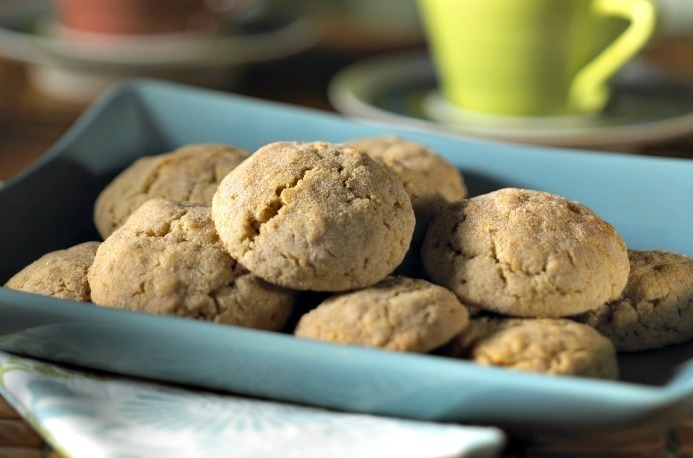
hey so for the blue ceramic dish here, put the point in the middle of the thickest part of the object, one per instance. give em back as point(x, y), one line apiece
point(648, 200)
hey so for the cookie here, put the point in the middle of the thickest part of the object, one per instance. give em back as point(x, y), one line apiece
point(555, 346)
point(314, 216)
point(656, 307)
point(421, 170)
point(61, 273)
point(428, 178)
point(167, 259)
point(399, 313)
point(526, 253)
point(191, 173)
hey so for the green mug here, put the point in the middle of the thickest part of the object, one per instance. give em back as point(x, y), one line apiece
point(532, 57)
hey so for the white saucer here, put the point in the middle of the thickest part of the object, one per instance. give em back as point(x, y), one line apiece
point(647, 106)
point(68, 69)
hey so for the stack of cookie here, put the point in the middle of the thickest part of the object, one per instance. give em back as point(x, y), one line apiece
point(327, 217)
point(381, 228)
point(538, 269)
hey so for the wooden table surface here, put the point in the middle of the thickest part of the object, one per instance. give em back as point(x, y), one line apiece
point(30, 123)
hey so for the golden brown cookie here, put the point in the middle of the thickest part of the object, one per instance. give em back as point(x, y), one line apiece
point(167, 259)
point(421, 170)
point(61, 273)
point(428, 178)
point(656, 307)
point(314, 216)
point(526, 253)
point(553, 346)
point(398, 313)
point(191, 173)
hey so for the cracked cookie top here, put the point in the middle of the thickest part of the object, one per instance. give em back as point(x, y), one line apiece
point(552, 346)
point(314, 216)
point(167, 259)
point(61, 273)
point(191, 173)
point(398, 313)
point(526, 253)
point(656, 307)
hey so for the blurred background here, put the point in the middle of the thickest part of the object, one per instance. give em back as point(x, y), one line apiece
point(359, 57)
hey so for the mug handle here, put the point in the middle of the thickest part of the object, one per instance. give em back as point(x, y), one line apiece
point(589, 91)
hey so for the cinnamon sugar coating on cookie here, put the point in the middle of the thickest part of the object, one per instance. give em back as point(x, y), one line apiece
point(428, 178)
point(61, 273)
point(398, 313)
point(425, 174)
point(526, 253)
point(190, 173)
point(551, 346)
point(656, 307)
point(167, 259)
point(314, 216)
